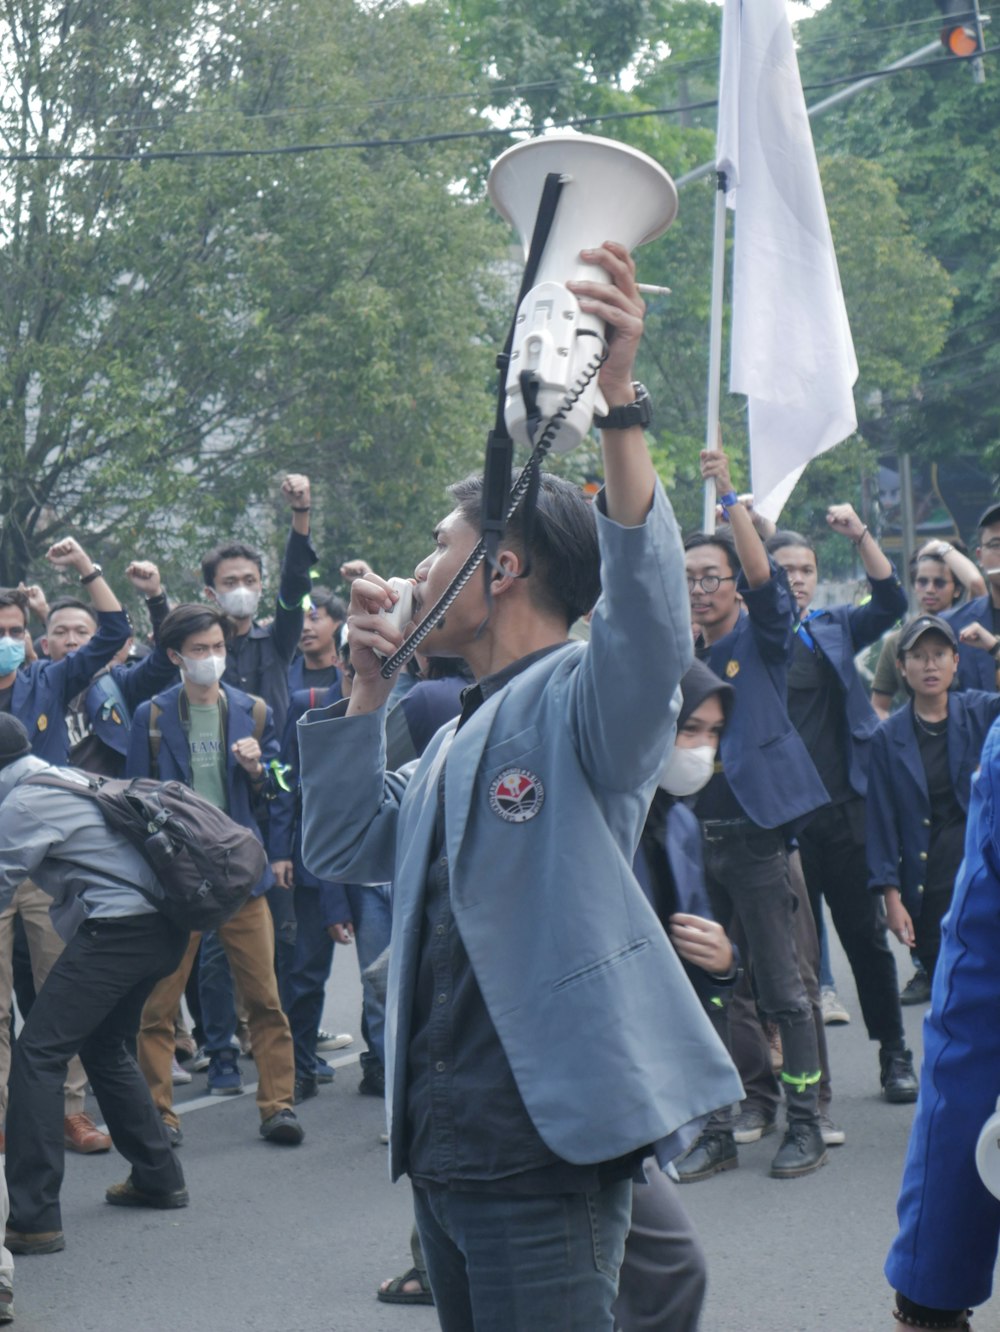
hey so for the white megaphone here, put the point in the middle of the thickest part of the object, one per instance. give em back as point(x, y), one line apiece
point(988, 1153)
point(610, 192)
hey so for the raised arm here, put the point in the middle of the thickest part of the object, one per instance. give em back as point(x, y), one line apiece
point(960, 565)
point(747, 539)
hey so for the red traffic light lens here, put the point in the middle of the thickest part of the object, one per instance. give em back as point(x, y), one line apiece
point(960, 40)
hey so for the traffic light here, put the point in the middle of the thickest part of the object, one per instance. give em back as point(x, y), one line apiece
point(962, 33)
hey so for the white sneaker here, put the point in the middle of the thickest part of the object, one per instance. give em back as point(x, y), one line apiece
point(834, 1012)
point(179, 1075)
point(833, 1134)
point(328, 1040)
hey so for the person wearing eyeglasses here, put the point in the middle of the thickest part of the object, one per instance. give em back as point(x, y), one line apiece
point(764, 782)
point(829, 706)
point(942, 575)
point(977, 669)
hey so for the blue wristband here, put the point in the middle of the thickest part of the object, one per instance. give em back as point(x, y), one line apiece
point(729, 499)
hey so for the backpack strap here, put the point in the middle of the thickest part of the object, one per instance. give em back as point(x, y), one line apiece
point(259, 717)
point(155, 740)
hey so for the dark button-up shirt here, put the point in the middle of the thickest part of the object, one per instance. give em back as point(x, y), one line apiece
point(467, 1127)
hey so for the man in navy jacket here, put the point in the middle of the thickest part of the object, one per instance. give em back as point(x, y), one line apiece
point(210, 737)
point(829, 706)
point(765, 782)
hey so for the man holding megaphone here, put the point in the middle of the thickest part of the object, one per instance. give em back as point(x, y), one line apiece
point(541, 1034)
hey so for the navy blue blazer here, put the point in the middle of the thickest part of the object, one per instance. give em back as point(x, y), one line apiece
point(297, 681)
point(899, 807)
point(840, 633)
point(762, 754)
point(111, 721)
point(174, 764)
point(44, 689)
point(976, 668)
point(683, 846)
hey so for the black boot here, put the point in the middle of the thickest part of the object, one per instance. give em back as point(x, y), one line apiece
point(801, 1152)
point(713, 1152)
point(305, 1090)
point(898, 1077)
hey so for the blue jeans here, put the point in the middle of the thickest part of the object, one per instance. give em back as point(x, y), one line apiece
point(502, 1263)
point(304, 985)
point(371, 908)
point(215, 989)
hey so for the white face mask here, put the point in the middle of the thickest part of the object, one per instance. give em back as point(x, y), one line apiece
point(204, 670)
point(687, 770)
point(240, 602)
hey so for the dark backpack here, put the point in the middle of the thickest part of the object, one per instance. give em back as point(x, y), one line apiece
point(206, 864)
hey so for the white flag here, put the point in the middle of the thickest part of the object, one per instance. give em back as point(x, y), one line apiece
point(792, 353)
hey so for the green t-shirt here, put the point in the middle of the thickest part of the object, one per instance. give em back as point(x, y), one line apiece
point(208, 753)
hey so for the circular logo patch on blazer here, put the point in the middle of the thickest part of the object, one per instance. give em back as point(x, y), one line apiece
point(516, 795)
point(732, 669)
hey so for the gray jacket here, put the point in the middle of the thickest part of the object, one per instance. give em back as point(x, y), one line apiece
point(62, 843)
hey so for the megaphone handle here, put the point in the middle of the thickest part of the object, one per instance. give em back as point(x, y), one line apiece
point(544, 218)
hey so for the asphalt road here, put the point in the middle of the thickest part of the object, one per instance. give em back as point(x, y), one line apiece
point(297, 1239)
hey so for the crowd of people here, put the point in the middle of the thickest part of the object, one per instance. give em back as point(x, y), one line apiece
point(658, 755)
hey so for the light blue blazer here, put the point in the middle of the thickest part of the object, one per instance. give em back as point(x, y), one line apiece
point(607, 1041)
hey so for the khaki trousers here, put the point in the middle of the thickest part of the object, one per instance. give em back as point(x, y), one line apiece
point(44, 946)
point(248, 939)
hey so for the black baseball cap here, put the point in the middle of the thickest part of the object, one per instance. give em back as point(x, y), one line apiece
point(14, 742)
point(990, 515)
point(924, 624)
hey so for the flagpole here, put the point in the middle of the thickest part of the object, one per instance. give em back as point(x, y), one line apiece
point(715, 345)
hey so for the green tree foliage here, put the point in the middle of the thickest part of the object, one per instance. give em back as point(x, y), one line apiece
point(175, 333)
point(933, 131)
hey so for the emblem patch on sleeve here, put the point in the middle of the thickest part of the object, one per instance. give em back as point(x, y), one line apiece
point(516, 795)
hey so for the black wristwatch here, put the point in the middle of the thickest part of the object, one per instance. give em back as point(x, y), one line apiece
point(94, 574)
point(637, 413)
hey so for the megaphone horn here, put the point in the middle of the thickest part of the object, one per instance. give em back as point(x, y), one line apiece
point(609, 192)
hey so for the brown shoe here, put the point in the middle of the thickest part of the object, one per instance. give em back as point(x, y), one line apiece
point(43, 1241)
point(81, 1134)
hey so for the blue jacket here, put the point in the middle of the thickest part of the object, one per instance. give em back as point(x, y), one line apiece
point(44, 690)
point(297, 681)
point(945, 1253)
point(574, 967)
point(840, 633)
point(175, 760)
point(976, 668)
point(899, 808)
point(110, 709)
point(285, 826)
point(762, 754)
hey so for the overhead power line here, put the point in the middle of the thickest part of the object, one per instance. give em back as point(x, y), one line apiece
point(450, 136)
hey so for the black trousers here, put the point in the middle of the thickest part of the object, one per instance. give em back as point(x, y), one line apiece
point(90, 1004)
point(833, 858)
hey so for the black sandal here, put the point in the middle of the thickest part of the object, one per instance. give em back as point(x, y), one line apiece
point(395, 1294)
